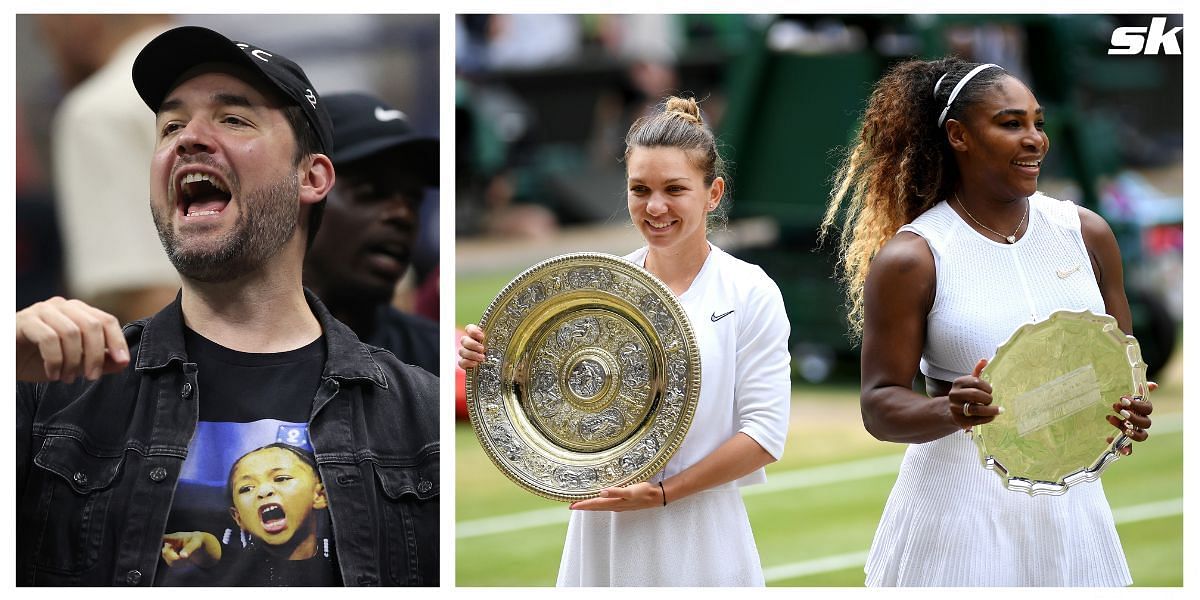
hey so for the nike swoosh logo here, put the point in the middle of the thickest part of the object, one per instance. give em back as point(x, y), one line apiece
point(1065, 273)
point(386, 115)
point(715, 317)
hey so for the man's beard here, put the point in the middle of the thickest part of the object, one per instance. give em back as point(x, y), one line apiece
point(266, 220)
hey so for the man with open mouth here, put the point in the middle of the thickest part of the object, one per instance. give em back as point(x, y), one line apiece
point(125, 437)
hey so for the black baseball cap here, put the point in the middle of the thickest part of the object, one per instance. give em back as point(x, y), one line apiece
point(364, 125)
point(159, 65)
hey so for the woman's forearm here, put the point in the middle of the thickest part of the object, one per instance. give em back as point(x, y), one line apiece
point(898, 414)
point(737, 457)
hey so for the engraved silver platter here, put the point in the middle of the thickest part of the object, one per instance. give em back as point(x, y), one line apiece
point(590, 379)
point(1057, 380)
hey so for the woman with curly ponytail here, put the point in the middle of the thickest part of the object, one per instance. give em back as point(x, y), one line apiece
point(687, 525)
point(946, 247)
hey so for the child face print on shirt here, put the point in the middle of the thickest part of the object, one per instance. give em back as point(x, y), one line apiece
point(274, 494)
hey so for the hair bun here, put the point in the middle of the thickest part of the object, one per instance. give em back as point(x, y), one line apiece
point(687, 108)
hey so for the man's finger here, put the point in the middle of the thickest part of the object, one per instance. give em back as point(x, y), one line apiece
point(116, 350)
point(48, 345)
point(69, 340)
point(91, 338)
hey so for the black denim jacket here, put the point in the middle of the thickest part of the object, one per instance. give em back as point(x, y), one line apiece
point(97, 462)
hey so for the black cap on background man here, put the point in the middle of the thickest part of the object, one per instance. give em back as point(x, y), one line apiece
point(364, 125)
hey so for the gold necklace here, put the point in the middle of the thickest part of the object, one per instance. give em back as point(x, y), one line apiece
point(1012, 239)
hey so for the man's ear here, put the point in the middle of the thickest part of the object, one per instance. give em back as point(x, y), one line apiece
point(316, 178)
point(957, 135)
point(237, 518)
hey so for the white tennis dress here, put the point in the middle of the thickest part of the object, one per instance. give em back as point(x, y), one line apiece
point(742, 331)
point(949, 521)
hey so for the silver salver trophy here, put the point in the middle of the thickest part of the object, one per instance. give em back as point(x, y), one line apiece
point(1057, 380)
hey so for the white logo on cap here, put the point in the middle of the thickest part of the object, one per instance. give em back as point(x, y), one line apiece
point(386, 115)
point(258, 53)
point(312, 97)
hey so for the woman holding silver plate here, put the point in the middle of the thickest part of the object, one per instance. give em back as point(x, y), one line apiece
point(946, 248)
point(688, 525)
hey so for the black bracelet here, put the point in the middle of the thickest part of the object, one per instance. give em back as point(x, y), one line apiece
point(664, 492)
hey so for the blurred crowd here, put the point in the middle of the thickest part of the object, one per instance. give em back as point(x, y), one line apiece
point(542, 99)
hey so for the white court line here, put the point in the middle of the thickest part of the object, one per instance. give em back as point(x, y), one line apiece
point(1148, 511)
point(511, 522)
point(835, 473)
point(827, 564)
point(839, 562)
point(787, 480)
point(783, 481)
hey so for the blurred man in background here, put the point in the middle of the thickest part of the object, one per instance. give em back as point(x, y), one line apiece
point(369, 228)
point(102, 143)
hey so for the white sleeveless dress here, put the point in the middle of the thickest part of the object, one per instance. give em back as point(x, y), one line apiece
point(738, 316)
point(948, 521)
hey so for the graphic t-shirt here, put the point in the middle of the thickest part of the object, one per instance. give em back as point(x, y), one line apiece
point(249, 485)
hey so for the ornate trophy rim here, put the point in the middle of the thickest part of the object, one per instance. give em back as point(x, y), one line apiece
point(689, 401)
point(1087, 473)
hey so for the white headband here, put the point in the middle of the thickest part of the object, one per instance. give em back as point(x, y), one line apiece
point(957, 88)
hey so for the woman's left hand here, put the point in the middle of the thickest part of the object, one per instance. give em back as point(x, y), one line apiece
point(1133, 417)
point(619, 499)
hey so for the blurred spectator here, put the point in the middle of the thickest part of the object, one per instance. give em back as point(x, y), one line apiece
point(524, 41)
point(492, 142)
point(366, 238)
point(470, 42)
point(998, 43)
point(39, 252)
point(644, 82)
point(424, 300)
point(428, 297)
point(647, 47)
point(102, 143)
point(641, 37)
